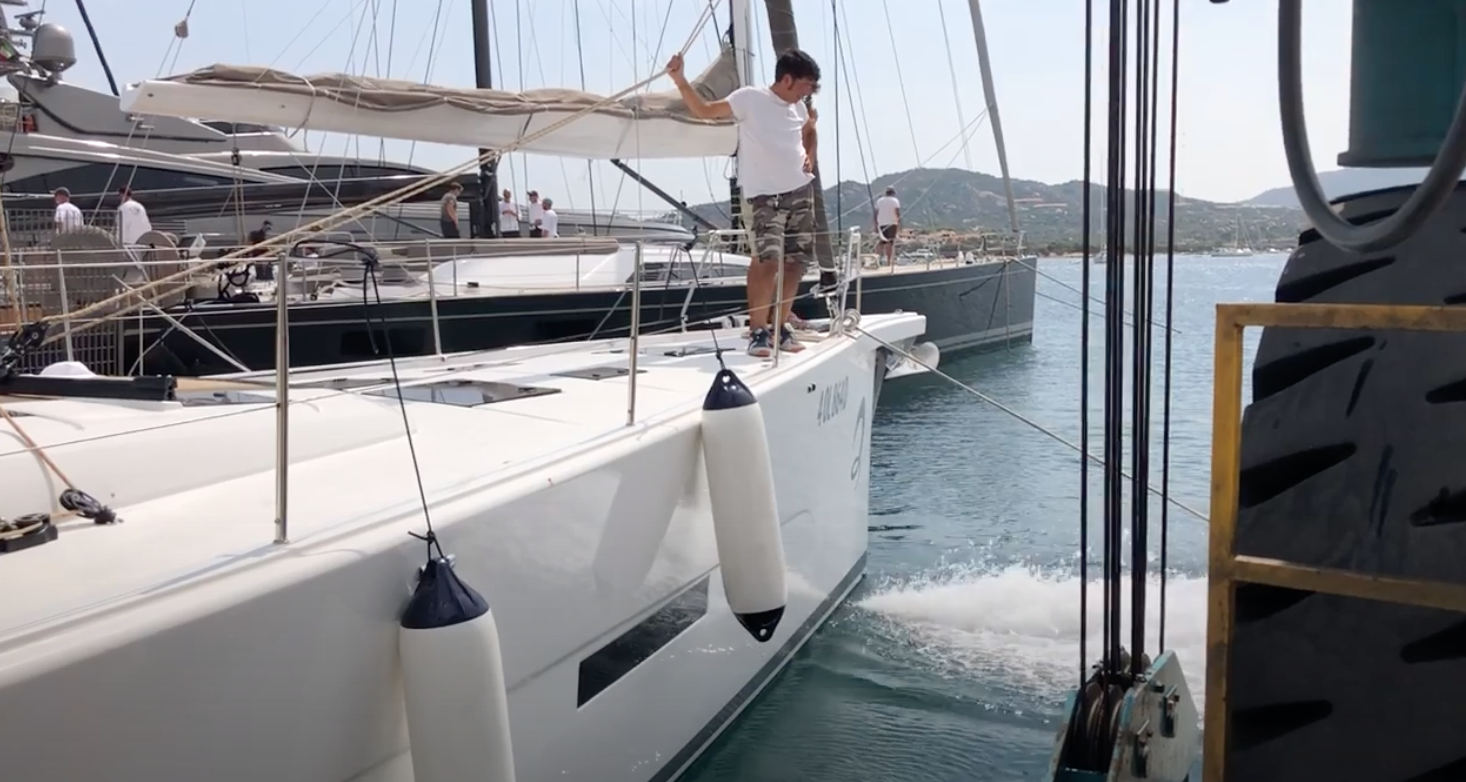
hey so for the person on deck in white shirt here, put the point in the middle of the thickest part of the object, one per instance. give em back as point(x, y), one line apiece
point(508, 217)
point(549, 221)
point(777, 152)
point(68, 216)
point(536, 214)
point(888, 223)
point(132, 218)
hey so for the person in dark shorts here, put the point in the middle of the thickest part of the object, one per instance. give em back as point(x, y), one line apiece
point(888, 223)
point(448, 214)
point(777, 150)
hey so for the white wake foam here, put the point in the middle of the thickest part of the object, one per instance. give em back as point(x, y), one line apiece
point(1021, 627)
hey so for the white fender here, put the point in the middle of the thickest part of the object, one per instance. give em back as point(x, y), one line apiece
point(745, 511)
point(453, 682)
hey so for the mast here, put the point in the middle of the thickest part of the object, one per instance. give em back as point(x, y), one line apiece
point(785, 36)
point(991, 97)
point(740, 35)
point(483, 210)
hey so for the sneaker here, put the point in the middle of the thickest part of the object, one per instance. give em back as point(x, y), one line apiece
point(760, 343)
point(788, 342)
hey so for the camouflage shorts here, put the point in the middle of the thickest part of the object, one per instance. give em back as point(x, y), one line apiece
point(783, 226)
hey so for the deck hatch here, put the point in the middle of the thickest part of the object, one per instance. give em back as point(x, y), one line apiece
point(464, 393)
point(597, 373)
point(202, 398)
point(621, 656)
point(342, 383)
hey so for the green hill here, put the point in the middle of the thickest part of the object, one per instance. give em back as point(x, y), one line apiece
point(970, 204)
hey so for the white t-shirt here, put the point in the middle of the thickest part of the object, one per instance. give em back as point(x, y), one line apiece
point(770, 142)
point(68, 217)
point(550, 223)
point(132, 221)
point(536, 212)
point(508, 220)
point(886, 208)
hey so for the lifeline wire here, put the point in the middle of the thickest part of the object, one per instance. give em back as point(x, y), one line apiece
point(1040, 428)
point(346, 215)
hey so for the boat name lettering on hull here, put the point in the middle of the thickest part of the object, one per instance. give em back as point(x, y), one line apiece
point(833, 400)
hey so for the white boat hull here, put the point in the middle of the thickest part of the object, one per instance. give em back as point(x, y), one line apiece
point(621, 656)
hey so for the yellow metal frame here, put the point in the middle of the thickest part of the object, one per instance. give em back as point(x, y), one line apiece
point(1226, 568)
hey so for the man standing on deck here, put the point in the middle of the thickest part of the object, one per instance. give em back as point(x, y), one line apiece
point(536, 215)
point(549, 221)
point(888, 223)
point(68, 216)
point(448, 212)
point(132, 218)
point(508, 217)
point(777, 149)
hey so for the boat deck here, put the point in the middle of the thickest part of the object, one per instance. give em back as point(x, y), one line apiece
point(195, 485)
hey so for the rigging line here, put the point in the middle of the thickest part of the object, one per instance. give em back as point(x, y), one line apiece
point(590, 169)
point(244, 27)
point(1032, 424)
point(900, 79)
point(391, 45)
point(1055, 280)
point(336, 219)
point(308, 26)
point(539, 61)
point(956, 92)
point(431, 538)
point(910, 208)
point(864, 115)
point(666, 20)
point(519, 72)
point(843, 67)
point(1087, 196)
point(434, 44)
point(498, 54)
point(1170, 304)
point(839, 180)
point(670, 325)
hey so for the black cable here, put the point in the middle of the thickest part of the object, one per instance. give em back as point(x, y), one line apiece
point(370, 262)
point(1084, 350)
point(1140, 343)
point(1114, 336)
point(1170, 303)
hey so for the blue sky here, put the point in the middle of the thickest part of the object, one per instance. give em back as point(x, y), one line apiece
point(1229, 142)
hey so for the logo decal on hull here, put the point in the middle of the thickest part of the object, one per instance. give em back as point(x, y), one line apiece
point(833, 400)
point(859, 442)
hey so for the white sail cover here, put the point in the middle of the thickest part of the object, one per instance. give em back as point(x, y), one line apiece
point(644, 125)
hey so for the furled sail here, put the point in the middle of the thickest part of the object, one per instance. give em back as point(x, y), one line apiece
point(644, 125)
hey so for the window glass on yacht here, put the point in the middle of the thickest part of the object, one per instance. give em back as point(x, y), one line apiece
point(347, 171)
point(106, 177)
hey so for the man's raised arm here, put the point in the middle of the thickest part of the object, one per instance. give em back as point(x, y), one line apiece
point(702, 109)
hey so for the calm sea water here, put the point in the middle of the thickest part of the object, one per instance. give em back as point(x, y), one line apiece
point(952, 660)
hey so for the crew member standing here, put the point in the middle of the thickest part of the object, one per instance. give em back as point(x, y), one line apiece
point(132, 218)
point(448, 214)
point(777, 150)
point(888, 223)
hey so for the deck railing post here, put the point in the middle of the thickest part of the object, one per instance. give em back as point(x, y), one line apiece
point(282, 405)
point(634, 345)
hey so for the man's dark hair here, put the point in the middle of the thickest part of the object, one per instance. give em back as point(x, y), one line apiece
point(796, 64)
